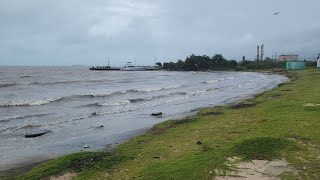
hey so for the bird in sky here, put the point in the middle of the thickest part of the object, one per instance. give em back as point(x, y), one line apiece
point(276, 13)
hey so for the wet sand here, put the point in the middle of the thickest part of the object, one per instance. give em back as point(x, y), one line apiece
point(18, 166)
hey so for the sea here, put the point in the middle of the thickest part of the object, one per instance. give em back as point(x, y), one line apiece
point(100, 109)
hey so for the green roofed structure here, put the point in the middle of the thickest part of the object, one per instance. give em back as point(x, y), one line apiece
point(295, 65)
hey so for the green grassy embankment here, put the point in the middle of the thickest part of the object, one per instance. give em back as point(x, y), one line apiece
point(274, 125)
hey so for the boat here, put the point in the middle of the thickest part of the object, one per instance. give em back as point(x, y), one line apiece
point(152, 68)
point(130, 67)
point(104, 68)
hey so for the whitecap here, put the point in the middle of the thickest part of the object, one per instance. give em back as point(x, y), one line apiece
point(34, 102)
point(211, 81)
point(117, 103)
point(148, 90)
point(197, 92)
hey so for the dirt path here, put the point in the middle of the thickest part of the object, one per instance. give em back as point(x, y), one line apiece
point(257, 169)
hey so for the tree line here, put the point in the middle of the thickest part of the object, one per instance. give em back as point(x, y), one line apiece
point(219, 63)
point(201, 63)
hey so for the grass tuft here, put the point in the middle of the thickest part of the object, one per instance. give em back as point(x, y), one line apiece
point(244, 105)
point(264, 148)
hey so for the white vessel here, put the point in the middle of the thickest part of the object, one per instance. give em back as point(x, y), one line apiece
point(130, 67)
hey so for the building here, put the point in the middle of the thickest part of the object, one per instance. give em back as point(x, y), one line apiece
point(295, 65)
point(318, 61)
point(290, 58)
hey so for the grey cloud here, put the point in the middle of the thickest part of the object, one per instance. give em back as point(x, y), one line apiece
point(70, 32)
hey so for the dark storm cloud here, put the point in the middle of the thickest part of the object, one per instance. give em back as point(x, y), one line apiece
point(69, 32)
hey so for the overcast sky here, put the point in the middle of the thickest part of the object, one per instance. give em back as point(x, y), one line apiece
point(87, 32)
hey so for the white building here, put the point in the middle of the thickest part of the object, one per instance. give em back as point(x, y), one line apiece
point(290, 57)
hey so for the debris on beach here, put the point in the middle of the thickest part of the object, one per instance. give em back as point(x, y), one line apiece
point(36, 133)
point(156, 114)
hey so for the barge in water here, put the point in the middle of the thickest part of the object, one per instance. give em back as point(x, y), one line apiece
point(128, 67)
point(104, 68)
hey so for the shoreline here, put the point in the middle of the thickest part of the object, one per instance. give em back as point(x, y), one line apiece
point(25, 167)
point(20, 167)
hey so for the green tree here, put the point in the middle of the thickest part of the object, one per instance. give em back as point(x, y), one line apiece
point(158, 64)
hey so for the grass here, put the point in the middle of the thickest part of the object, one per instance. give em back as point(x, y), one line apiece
point(262, 148)
point(274, 125)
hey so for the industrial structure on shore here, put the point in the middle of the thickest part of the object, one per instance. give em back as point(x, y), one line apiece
point(289, 57)
point(260, 56)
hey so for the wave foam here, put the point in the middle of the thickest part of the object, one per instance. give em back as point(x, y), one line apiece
point(34, 102)
point(197, 92)
point(114, 103)
point(211, 81)
point(148, 90)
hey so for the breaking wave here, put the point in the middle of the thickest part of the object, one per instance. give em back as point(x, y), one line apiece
point(98, 95)
point(34, 102)
point(145, 90)
point(124, 102)
point(218, 80)
point(148, 90)
point(211, 81)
